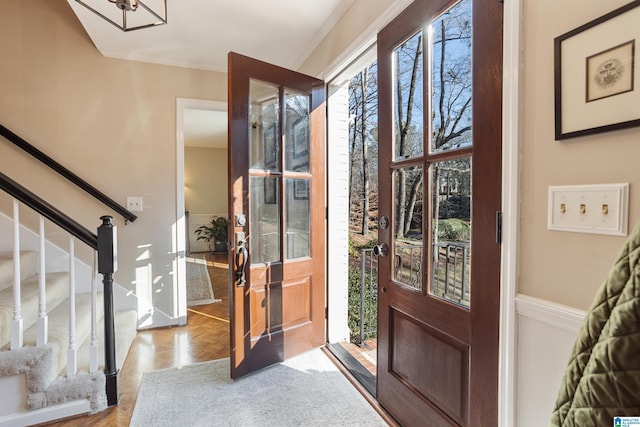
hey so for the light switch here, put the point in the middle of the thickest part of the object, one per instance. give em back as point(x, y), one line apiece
point(134, 204)
point(597, 209)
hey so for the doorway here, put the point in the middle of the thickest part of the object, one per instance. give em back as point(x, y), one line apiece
point(201, 167)
point(353, 217)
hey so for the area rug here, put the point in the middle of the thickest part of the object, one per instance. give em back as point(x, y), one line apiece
point(199, 289)
point(307, 390)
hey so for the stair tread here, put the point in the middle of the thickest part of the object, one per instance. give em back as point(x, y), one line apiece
point(28, 267)
point(126, 330)
point(59, 326)
point(57, 291)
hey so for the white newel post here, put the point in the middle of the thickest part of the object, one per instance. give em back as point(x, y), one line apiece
point(17, 322)
point(43, 319)
point(72, 356)
point(93, 355)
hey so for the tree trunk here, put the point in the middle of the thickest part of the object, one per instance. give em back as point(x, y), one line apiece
point(364, 76)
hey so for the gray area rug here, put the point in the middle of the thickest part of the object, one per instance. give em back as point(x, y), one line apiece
point(199, 289)
point(307, 390)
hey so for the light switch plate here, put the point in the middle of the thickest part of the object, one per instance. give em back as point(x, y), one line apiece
point(134, 204)
point(596, 209)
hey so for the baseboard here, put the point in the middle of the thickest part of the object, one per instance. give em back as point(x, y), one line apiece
point(560, 316)
point(50, 413)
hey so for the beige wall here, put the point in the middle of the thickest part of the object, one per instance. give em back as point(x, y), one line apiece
point(566, 268)
point(205, 180)
point(110, 121)
point(349, 30)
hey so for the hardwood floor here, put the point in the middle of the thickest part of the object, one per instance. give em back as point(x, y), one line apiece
point(205, 337)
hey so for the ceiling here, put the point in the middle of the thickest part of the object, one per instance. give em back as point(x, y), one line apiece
point(200, 33)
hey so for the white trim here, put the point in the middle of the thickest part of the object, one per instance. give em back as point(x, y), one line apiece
point(50, 413)
point(510, 214)
point(557, 315)
point(179, 278)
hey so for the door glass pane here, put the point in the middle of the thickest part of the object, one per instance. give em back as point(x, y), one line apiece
point(264, 223)
point(451, 224)
point(451, 78)
point(298, 217)
point(407, 183)
point(408, 122)
point(263, 126)
point(296, 125)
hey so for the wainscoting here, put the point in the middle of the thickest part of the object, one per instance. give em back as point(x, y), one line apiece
point(546, 332)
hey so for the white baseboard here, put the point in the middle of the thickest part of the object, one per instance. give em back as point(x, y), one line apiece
point(50, 413)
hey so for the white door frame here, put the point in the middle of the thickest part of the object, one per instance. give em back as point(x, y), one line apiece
point(179, 240)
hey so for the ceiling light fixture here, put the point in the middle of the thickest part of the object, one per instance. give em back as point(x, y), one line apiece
point(127, 15)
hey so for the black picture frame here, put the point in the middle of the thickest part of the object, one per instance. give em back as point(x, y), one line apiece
point(270, 147)
point(596, 77)
point(301, 137)
point(301, 189)
point(270, 191)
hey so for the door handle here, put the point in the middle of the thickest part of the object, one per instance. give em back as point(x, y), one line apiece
point(242, 256)
point(381, 249)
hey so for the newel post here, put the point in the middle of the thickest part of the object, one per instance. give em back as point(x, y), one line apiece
point(107, 265)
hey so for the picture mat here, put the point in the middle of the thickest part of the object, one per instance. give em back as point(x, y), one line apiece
point(577, 114)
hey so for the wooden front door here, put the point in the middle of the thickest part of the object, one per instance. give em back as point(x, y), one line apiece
point(277, 210)
point(440, 80)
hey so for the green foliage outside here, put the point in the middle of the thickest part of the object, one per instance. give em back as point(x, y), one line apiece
point(454, 230)
point(370, 289)
point(370, 305)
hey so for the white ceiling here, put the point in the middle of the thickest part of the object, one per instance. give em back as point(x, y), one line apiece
point(200, 33)
point(205, 128)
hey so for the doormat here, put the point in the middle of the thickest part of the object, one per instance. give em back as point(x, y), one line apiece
point(307, 390)
point(199, 289)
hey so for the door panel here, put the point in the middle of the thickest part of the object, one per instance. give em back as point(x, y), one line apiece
point(440, 80)
point(277, 206)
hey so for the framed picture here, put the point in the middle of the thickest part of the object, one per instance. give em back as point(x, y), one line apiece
point(300, 189)
point(597, 77)
point(270, 146)
point(270, 191)
point(301, 137)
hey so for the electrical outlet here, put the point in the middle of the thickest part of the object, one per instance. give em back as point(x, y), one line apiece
point(134, 204)
point(596, 209)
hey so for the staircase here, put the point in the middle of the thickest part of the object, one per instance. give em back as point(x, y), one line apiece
point(49, 379)
point(55, 361)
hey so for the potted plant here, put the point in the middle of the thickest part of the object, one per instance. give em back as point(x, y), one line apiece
point(217, 231)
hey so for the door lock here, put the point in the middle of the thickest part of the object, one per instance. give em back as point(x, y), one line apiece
point(381, 249)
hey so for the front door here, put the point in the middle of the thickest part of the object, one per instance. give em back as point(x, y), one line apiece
point(440, 79)
point(277, 209)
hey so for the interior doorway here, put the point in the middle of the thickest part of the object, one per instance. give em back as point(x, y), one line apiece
point(201, 182)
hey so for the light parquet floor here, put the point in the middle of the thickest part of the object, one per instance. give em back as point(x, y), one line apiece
point(205, 337)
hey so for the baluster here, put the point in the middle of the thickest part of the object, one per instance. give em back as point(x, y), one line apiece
point(363, 267)
point(72, 355)
point(43, 319)
point(17, 322)
point(93, 351)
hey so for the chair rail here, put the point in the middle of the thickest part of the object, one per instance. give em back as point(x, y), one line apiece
point(30, 149)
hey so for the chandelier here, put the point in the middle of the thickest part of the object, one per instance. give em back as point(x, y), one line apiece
point(129, 15)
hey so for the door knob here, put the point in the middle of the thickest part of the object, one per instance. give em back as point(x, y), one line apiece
point(381, 249)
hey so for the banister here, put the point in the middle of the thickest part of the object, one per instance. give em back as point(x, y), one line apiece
point(106, 200)
point(48, 211)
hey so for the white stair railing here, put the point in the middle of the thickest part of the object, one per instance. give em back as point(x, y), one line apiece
point(93, 349)
point(72, 355)
point(17, 336)
point(43, 319)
